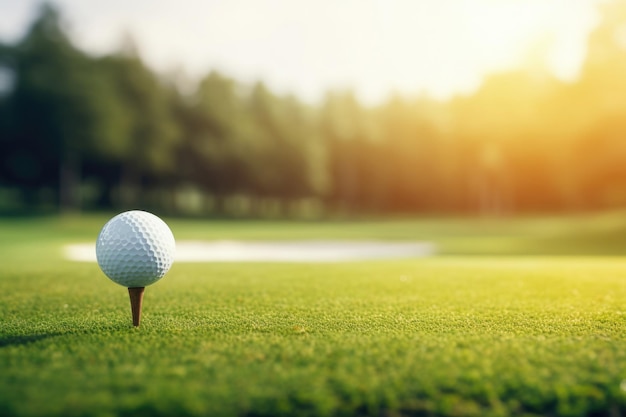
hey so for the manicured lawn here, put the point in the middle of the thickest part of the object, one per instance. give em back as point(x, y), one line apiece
point(488, 334)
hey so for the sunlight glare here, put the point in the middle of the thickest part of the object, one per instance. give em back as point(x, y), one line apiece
point(375, 47)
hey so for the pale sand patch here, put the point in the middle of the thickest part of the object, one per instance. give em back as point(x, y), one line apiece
point(272, 251)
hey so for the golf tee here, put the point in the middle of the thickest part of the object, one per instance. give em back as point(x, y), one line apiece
point(136, 299)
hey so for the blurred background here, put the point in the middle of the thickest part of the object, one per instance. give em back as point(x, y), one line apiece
point(308, 109)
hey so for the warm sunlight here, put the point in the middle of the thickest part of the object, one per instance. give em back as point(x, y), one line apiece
point(374, 47)
point(350, 96)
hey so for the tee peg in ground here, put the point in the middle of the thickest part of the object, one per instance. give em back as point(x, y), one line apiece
point(136, 299)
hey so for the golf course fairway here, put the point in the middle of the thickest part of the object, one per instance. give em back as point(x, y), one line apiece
point(522, 317)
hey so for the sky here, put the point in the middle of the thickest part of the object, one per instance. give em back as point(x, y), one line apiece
point(306, 47)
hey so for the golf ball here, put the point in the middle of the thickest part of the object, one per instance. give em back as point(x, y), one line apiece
point(135, 248)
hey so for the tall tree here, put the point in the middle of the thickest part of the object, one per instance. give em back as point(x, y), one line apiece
point(600, 104)
point(151, 133)
point(214, 152)
point(63, 111)
point(280, 154)
point(342, 123)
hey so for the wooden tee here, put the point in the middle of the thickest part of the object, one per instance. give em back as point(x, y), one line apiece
point(136, 299)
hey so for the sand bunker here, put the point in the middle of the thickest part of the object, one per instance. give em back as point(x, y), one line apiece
point(284, 251)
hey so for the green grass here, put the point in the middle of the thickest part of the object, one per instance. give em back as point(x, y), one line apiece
point(479, 331)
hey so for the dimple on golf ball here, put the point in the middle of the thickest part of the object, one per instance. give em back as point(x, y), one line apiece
point(135, 249)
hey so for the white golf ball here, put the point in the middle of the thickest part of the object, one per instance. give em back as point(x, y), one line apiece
point(135, 249)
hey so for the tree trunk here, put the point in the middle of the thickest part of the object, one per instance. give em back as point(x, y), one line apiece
point(69, 183)
point(129, 187)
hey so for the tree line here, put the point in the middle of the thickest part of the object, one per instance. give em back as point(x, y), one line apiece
point(107, 132)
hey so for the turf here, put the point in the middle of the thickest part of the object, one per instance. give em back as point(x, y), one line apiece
point(453, 335)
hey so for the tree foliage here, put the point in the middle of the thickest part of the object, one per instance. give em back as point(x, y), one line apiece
point(110, 132)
